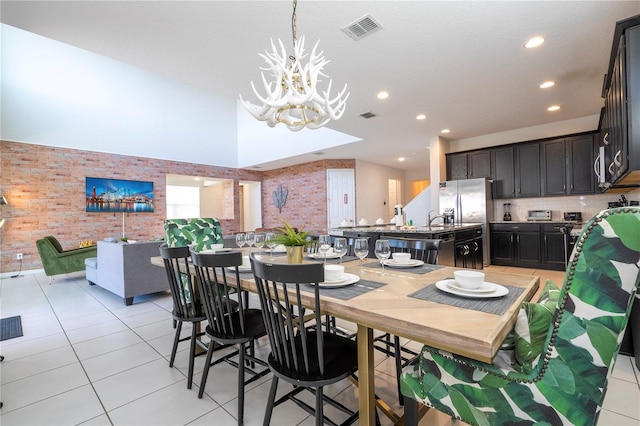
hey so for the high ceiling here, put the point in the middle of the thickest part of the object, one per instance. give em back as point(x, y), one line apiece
point(461, 63)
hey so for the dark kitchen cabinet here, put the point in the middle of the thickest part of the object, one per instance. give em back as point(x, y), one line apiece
point(620, 130)
point(516, 244)
point(527, 170)
point(469, 165)
point(554, 246)
point(566, 165)
point(468, 249)
point(502, 172)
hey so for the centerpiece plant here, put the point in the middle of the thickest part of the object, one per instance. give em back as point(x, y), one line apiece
point(294, 241)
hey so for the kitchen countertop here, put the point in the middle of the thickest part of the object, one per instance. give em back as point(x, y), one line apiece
point(434, 229)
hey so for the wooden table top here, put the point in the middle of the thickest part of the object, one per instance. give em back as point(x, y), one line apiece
point(466, 332)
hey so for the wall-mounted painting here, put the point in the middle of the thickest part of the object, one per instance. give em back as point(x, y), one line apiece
point(115, 195)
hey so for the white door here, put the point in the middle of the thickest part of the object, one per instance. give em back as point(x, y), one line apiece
point(341, 203)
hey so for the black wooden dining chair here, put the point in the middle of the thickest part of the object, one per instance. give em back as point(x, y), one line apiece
point(421, 249)
point(186, 307)
point(228, 325)
point(302, 355)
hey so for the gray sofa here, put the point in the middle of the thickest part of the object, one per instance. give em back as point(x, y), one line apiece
point(125, 269)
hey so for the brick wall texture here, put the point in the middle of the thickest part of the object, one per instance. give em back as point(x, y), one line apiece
point(45, 189)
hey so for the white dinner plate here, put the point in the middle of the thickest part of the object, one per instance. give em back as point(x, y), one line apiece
point(330, 255)
point(484, 288)
point(412, 263)
point(216, 250)
point(347, 279)
point(499, 290)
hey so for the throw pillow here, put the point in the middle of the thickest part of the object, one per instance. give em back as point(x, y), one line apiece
point(532, 326)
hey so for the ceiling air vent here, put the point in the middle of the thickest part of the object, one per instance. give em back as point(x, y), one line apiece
point(367, 114)
point(362, 27)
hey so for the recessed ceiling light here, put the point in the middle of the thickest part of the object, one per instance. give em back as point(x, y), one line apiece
point(420, 117)
point(445, 131)
point(547, 84)
point(534, 42)
point(401, 159)
point(196, 178)
point(383, 95)
point(553, 108)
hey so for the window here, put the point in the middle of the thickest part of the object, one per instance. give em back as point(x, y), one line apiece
point(183, 202)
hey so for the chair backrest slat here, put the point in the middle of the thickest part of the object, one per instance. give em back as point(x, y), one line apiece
point(215, 289)
point(181, 283)
point(424, 249)
point(295, 344)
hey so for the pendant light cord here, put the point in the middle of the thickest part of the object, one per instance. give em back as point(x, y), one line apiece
point(294, 28)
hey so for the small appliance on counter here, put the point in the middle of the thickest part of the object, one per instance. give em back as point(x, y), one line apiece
point(539, 215)
point(507, 212)
point(449, 216)
point(398, 217)
point(573, 217)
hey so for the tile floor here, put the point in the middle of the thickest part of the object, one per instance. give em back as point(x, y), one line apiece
point(85, 358)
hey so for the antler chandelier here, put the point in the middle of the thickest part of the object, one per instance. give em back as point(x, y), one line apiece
point(292, 98)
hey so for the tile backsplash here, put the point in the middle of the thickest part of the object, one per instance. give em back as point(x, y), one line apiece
point(589, 205)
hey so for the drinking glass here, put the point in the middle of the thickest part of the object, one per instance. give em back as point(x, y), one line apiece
point(271, 243)
point(259, 241)
point(361, 250)
point(240, 239)
point(382, 251)
point(324, 242)
point(340, 247)
point(249, 238)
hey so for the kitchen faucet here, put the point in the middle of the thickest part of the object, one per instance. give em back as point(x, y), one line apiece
point(431, 219)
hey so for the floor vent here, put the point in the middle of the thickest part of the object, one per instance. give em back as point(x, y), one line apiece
point(367, 114)
point(362, 27)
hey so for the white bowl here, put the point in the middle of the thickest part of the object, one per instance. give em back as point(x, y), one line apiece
point(217, 246)
point(333, 272)
point(469, 279)
point(401, 257)
point(246, 263)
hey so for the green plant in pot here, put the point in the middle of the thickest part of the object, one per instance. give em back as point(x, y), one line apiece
point(294, 241)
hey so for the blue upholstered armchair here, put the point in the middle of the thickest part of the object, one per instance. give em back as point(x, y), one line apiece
point(564, 347)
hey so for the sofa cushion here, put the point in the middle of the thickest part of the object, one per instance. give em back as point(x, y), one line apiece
point(91, 262)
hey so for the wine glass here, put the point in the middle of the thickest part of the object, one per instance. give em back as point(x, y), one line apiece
point(249, 238)
point(340, 247)
point(361, 250)
point(240, 239)
point(270, 241)
point(324, 242)
point(259, 241)
point(382, 251)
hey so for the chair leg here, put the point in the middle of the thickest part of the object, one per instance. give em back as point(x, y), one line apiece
point(205, 372)
point(50, 279)
point(192, 354)
point(270, 401)
point(410, 412)
point(241, 384)
point(176, 340)
point(319, 410)
point(398, 356)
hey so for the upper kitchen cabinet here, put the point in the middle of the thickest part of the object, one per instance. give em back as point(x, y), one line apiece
point(469, 165)
point(566, 165)
point(527, 170)
point(502, 172)
point(620, 127)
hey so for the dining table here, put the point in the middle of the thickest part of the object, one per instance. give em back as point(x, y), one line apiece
point(417, 304)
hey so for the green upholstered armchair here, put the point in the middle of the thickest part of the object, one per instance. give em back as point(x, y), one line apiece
point(565, 381)
point(203, 233)
point(57, 261)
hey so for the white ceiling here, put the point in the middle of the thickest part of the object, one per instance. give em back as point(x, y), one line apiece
point(461, 63)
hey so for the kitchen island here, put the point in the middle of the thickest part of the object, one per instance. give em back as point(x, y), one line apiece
point(461, 244)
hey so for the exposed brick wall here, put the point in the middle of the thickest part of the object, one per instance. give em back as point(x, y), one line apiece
point(306, 204)
point(45, 189)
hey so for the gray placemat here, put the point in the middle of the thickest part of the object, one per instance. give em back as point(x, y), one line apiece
point(417, 270)
point(496, 306)
point(347, 292)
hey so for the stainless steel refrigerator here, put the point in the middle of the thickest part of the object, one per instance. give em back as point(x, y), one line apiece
point(471, 201)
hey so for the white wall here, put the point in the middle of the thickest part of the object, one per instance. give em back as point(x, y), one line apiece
point(252, 205)
point(211, 201)
point(372, 190)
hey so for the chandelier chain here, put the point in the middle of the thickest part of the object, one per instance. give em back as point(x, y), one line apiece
point(294, 28)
